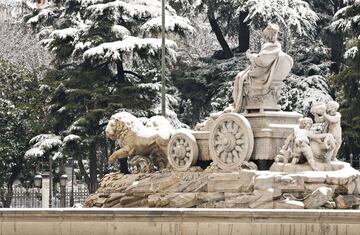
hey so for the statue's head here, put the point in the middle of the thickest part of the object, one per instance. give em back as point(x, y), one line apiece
point(332, 107)
point(270, 32)
point(120, 123)
point(305, 123)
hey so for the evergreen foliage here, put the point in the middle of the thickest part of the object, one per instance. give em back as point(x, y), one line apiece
point(20, 119)
point(107, 58)
point(347, 82)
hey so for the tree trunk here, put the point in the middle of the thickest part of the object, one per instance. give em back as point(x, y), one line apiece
point(15, 171)
point(83, 172)
point(93, 167)
point(219, 35)
point(244, 33)
point(120, 72)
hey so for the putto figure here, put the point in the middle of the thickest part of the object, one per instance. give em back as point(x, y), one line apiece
point(262, 80)
point(297, 145)
point(315, 144)
point(332, 126)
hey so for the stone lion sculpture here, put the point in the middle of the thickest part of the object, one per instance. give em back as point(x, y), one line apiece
point(137, 140)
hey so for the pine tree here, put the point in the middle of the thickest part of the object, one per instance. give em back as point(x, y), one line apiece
point(295, 17)
point(107, 58)
point(347, 82)
point(20, 119)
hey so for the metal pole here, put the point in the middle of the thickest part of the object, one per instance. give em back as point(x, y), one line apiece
point(62, 196)
point(72, 183)
point(163, 104)
point(50, 182)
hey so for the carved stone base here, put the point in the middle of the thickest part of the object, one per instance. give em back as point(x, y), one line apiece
point(270, 131)
point(295, 168)
point(238, 189)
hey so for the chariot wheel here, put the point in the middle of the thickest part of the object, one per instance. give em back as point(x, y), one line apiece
point(182, 151)
point(231, 141)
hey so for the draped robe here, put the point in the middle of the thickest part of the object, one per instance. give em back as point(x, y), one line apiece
point(259, 74)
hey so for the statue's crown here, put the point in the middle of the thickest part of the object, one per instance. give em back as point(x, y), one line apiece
point(273, 28)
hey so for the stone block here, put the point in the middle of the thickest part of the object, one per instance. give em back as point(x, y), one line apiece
point(350, 186)
point(265, 181)
point(330, 205)
point(183, 200)
point(242, 181)
point(311, 187)
point(265, 196)
point(158, 200)
point(210, 197)
point(347, 201)
point(196, 185)
point(265, 205)
point(113, 199)
point(357, 185)
point(289, 183)
point(318, 198)
point(337, 179)
point(243, 200)
point(315, 177)
point(126, 200)
point(288, 204)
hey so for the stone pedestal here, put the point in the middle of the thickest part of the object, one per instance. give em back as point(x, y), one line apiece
point(270, 131)
point(236, 189)
point(45, 191)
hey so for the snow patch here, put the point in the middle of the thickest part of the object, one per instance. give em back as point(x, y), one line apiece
point(115, 50)
point(138, 127)
point(172, 24)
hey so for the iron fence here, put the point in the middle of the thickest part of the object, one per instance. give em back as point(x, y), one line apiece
point(32, 198)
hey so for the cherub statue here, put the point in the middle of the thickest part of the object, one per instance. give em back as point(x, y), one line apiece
point(304, 142)
point(298, 144)
point(332, 120)
point(269, 64)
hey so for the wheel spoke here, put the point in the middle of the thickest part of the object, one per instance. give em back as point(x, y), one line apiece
point(239, 135)
point(238, 148)
point(235, 129)
point(239, 142)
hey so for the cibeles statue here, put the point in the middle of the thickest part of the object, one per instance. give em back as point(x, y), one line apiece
point(258, 86)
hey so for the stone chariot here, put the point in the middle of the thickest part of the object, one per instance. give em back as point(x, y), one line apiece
point(229, 141)
point(253, 128)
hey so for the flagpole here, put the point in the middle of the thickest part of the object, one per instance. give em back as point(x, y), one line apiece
point(163, 100)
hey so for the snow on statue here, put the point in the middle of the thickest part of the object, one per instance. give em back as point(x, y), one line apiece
point(268, 66)
point(139, 141)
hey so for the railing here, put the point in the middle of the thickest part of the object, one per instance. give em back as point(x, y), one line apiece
point(31, 198)
point(354, 161)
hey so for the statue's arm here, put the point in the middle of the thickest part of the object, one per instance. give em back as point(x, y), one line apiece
point(333, 119)
point(318, 137)
point(288, 141)
point(251, 56)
